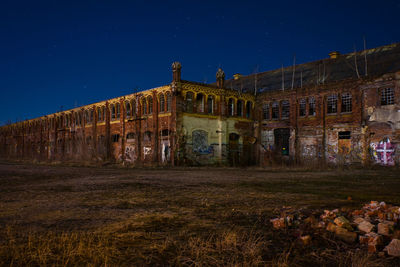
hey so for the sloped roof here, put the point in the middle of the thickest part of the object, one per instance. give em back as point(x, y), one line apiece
point(380, 60)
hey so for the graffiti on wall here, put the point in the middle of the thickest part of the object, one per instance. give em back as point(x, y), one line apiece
point(165, 151)
point(200, 142)
point(383, 152)
point(130, 154)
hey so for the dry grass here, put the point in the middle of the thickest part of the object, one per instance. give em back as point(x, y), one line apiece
point(80, 216)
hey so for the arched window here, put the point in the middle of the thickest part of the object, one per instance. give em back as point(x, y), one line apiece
point(239, 107)
point(189, 102)
point(150, 102)
point(87, 117)
point(112, 108)
point(248, 109)
point(133, 104)
point(118, 110)
point(130, 136)
point(162, 103)
point(99, 117)
point(200, 103)
point(144, 106)
point(169, 101)
point(231, 107)
point(128, 109)
point(210, 104)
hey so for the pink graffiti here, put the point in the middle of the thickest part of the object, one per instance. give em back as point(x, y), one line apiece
point(385, 151)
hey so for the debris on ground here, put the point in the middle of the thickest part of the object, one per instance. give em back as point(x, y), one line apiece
point(375, 227)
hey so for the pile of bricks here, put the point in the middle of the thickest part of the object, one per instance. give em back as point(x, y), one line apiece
point(375, 226)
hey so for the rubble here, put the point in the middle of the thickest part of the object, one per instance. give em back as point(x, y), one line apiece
point(375, 227)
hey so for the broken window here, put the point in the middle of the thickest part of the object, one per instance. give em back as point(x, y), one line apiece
point(128, 109)
point(387, 96)
point(231, 107)
point(275, 110)
point(200, 103)
point(162, 103)
point(332, 104)
point(346, 102)
point(200, 141)
point(169, 101)
point(344, 135)
point(115, 138)
point(210, 104)
point(302, 107)
point(189, 102)
point(311, 106)
point(285, 109)
point(266, 111)
point(248, 109)
point(150, 103)
point(239, 107)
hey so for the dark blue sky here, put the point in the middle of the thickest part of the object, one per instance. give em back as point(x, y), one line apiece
point(71, 53)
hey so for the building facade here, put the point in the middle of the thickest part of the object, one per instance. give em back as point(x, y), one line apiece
point(341, 110)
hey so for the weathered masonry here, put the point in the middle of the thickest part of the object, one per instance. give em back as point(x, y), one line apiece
point(341, 110)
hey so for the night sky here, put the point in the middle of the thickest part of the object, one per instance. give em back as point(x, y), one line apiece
point(61, 54)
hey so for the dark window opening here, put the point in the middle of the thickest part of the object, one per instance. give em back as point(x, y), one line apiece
point(130, 136)
point(210, 104)
point(266, 111)
point(387, 96)
point(150, 107)
point(231, 107)
point(115, 138)
point(248, 109)
point(147, 136)
point(302, 107)
point(285, 109)
point(189, 102)
point(128, 109)
point(239, 107)
point(311, 106)
point(344, 135)
point(275, 110)
point(200, 103)
point(169, 102)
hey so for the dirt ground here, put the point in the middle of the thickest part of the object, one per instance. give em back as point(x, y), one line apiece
point(71, 215)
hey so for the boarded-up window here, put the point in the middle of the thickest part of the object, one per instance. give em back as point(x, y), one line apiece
point(200, 141)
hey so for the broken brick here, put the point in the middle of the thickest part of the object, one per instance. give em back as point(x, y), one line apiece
point(393, 249)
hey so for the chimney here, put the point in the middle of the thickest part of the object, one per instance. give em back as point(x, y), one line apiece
point(176, 71)
point(237, 76)
point(220, 78)
point(334, 54)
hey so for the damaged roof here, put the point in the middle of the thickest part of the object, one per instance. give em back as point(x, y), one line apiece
point(380, 60)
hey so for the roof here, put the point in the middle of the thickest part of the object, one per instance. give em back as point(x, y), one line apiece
point(380, 60)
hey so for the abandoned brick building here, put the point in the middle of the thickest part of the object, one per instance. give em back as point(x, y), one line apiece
point(344, 109)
